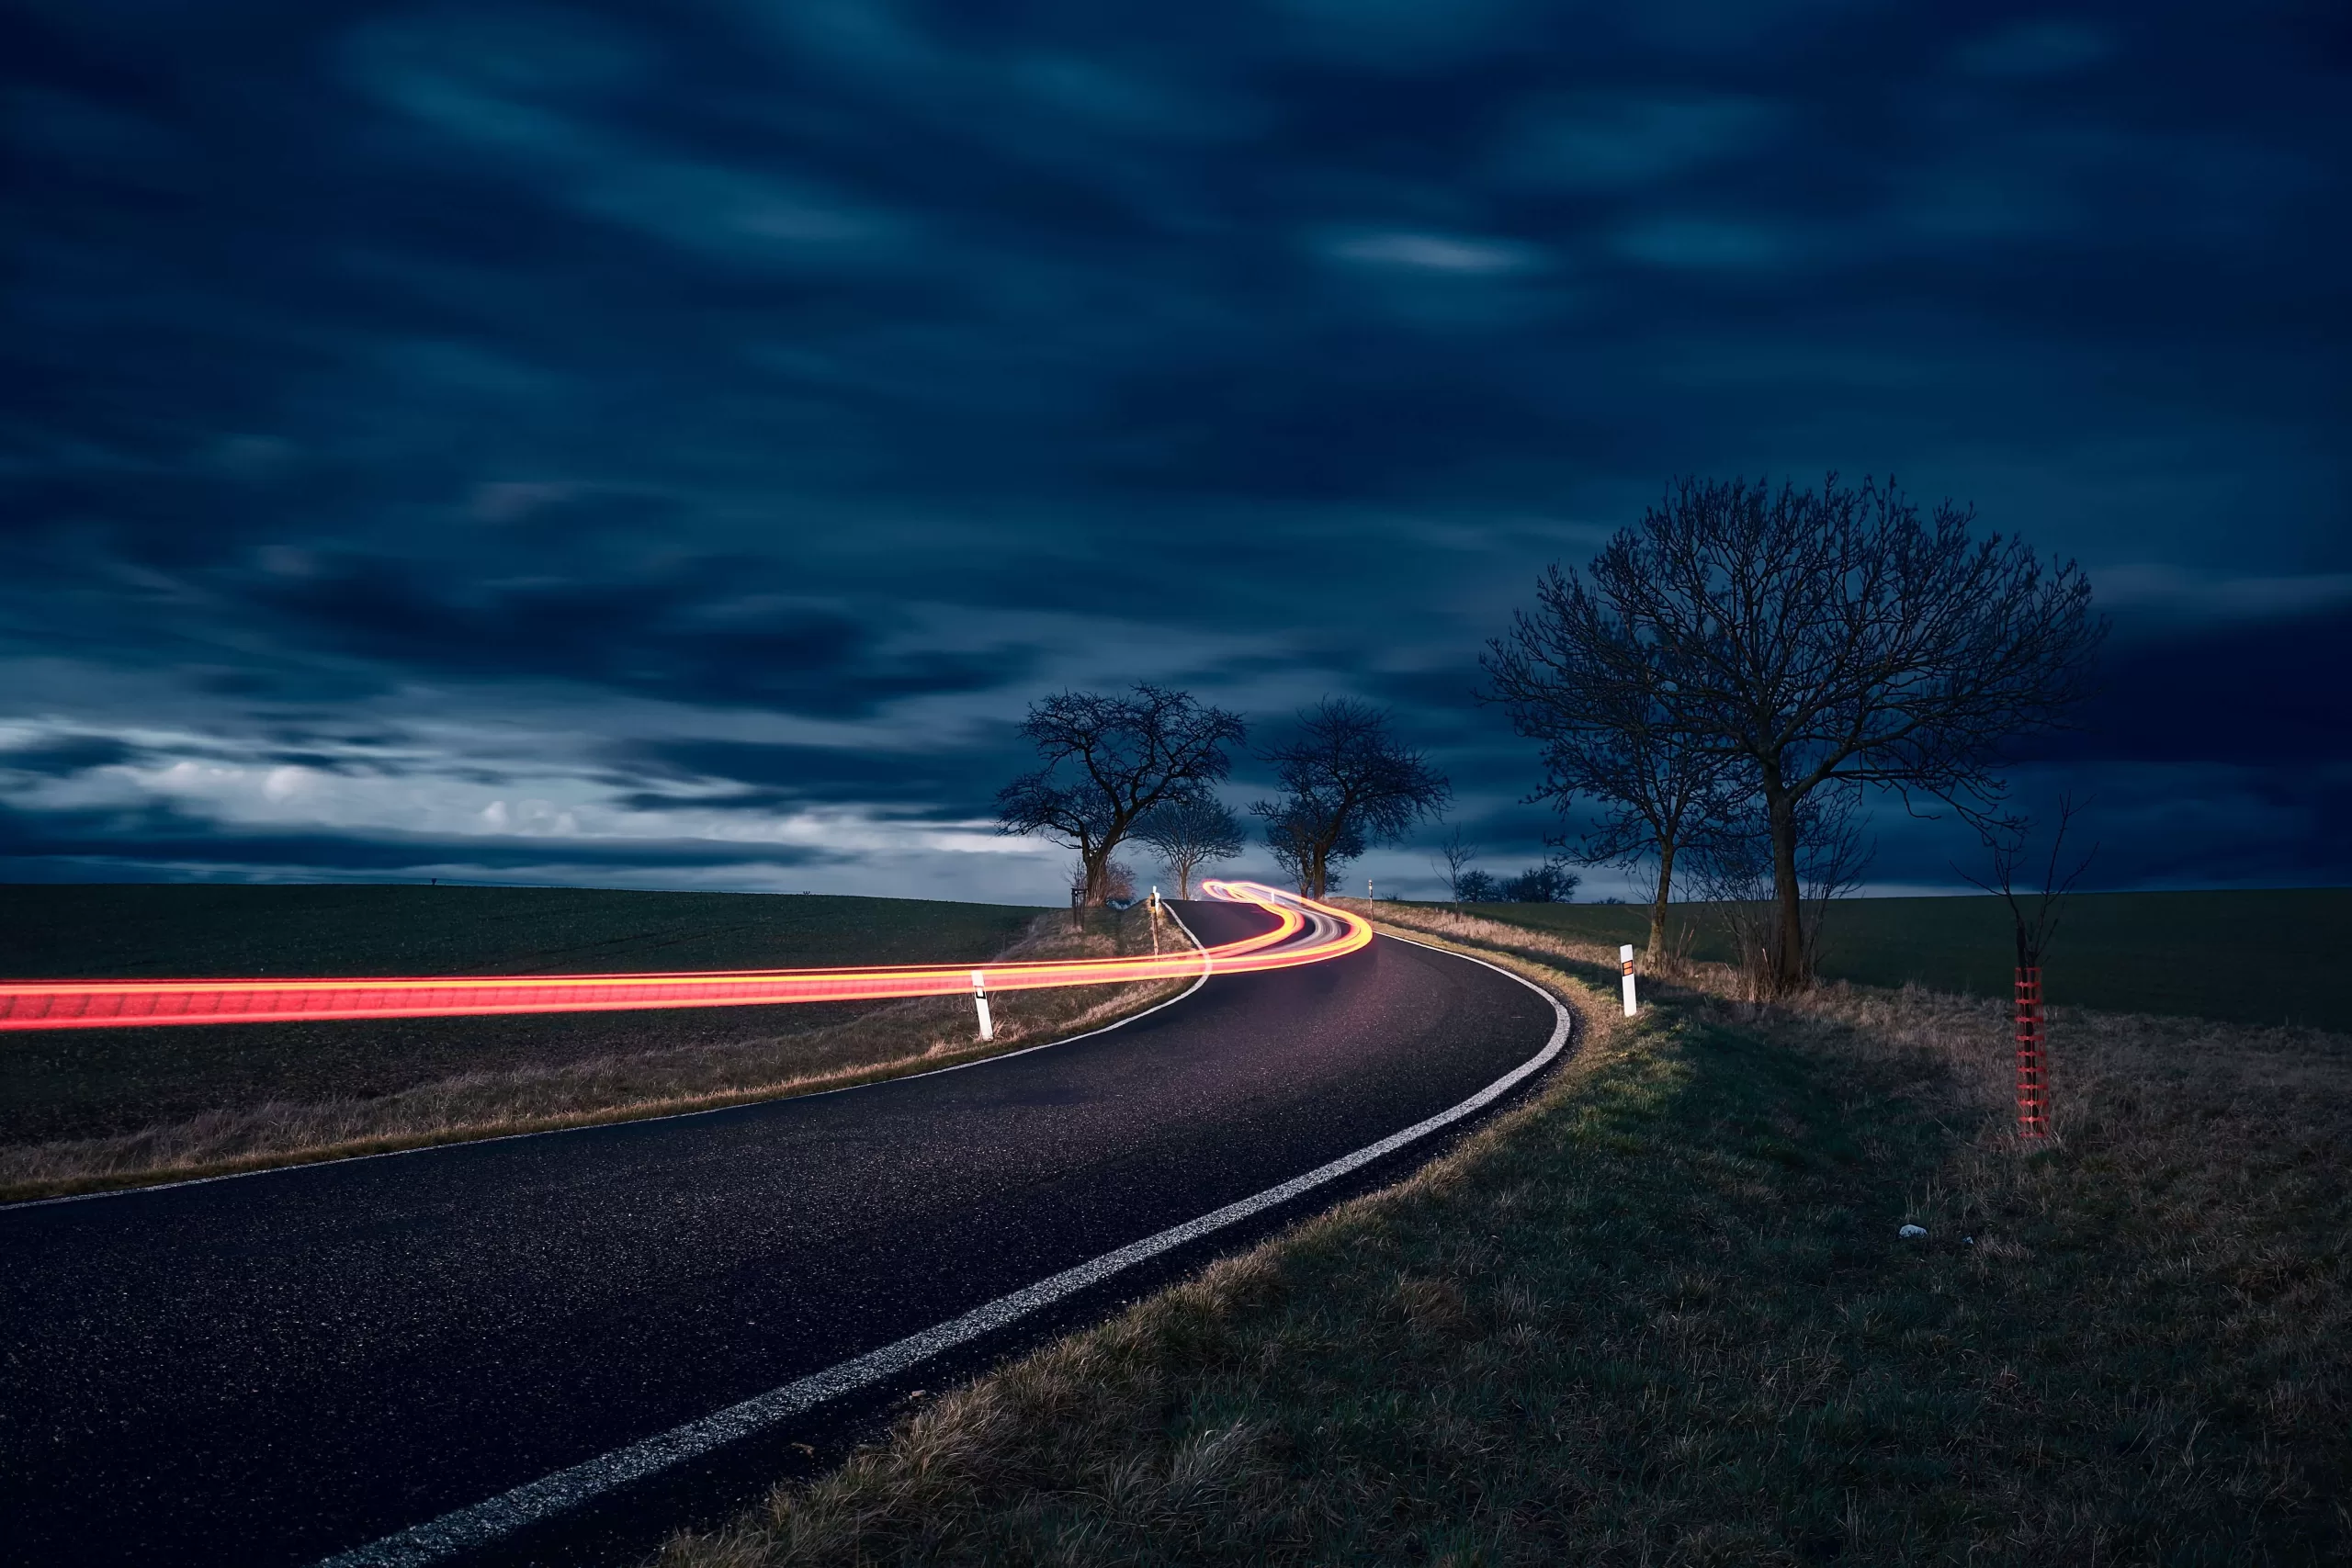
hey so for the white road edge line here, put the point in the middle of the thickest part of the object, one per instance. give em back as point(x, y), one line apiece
point(628, 1121)
point(487, 1522)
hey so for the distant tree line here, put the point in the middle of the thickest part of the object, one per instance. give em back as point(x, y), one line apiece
point(1548, 882)
point(1711, 698)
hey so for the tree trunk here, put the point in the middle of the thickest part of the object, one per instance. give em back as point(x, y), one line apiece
point(1098, 871)
point(1786, 959)
point(1657, 905)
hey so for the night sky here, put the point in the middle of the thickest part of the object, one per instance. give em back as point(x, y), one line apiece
point(668, 444)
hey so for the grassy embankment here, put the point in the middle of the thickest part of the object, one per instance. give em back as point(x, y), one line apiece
point(1659, 1314)
point(86, 1109)
point(2249, 957)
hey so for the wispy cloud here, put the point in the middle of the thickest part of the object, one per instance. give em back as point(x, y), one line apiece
point(2046, 48)
point(1442, 253)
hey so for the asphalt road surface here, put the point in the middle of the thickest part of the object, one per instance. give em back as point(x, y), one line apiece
point(278, 1368)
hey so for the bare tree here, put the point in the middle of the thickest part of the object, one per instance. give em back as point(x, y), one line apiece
point(1348, 783)
point(1457, 853)
point(2034, 931)
point(1578, 676)
point(1109, 760)
point(1732, 864)
point(2033, 913)
point(1835, 637)
point(1296, 835)
point(1186, 833)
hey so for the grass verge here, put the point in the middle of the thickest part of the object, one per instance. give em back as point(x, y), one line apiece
point(2271, 955)
point(1660, 1314)
point(664, 1065)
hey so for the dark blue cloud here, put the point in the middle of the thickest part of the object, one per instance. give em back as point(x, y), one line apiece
point(688, 633)
point(952, 781)
point(66, 755)
point(755, 404)
point(34, 845)
point(2265, 692)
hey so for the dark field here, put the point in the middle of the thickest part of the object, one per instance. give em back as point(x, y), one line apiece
point(85, 1083)
point(2268, 956)
point(118, 930)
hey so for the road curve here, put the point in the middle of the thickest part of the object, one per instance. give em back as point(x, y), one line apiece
point(280, 1368)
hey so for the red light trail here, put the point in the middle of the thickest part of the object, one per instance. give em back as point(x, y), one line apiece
point(1305, 932)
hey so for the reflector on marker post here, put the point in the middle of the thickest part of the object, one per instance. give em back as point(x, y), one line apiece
point(1625, 957)
point(980, 1001)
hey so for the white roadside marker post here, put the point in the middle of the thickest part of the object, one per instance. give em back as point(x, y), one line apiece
point(1154, 922)
point(1625, 957)
point(980, 1001)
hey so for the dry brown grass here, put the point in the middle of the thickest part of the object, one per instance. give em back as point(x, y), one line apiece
point(1424, 919)
point(2116, 1077)
point(885, 1041)
point(1660, 1315)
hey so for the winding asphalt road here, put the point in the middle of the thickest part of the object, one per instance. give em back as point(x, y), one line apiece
point(280, 1368)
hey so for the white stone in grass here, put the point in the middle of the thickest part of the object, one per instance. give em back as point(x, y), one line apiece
point(1912, 1233)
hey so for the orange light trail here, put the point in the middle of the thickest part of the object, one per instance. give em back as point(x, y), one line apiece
point(1305, 932)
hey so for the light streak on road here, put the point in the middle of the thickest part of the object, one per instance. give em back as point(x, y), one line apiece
point(1305, 932)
